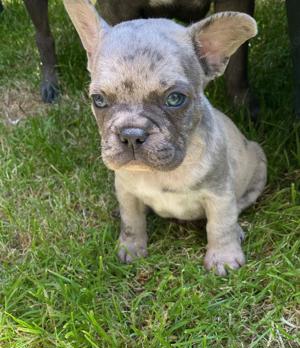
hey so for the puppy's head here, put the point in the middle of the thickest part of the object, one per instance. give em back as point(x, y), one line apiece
point(147, 80)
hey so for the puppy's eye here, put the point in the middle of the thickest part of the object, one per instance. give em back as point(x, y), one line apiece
point(99, 100)
point(175, 99)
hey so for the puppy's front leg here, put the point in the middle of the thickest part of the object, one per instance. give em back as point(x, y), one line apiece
point(133, 236)
point(224, 234)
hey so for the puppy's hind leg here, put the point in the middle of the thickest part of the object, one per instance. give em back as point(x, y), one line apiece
point(258, 180)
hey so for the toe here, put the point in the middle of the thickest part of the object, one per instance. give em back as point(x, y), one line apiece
point(220, 270)
point(122, 255)
point(128, 258)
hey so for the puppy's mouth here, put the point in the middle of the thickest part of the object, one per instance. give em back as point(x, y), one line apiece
point(141, 149)
point(148, 157)
point(138, 162)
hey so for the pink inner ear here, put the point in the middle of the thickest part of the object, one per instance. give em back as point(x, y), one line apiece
point(211, 51)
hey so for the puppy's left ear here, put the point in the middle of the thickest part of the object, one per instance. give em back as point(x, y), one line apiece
point(217, 37)
point(90, 27)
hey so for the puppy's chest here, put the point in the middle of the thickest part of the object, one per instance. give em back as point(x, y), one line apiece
point(173, 202)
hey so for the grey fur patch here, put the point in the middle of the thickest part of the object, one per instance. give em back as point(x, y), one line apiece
point(126, 230)
point(129, 57)
point(128, 85)
point(163, 83)
point(217, 175)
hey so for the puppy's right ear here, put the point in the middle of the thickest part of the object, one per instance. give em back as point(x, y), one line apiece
point(217, 37)
point(90, 27)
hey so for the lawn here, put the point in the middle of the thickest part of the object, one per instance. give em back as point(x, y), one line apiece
point(61, 284)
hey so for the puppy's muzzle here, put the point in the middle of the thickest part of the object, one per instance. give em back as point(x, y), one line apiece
point(133, 137)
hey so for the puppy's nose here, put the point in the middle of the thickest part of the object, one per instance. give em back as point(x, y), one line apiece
point(133, 136)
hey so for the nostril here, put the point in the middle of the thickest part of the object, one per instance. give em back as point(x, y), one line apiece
point(140, 140)
point(133, 136)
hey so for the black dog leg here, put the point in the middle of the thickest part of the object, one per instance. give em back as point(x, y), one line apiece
point(236, 74)
point(293, 14)
point(38, 11)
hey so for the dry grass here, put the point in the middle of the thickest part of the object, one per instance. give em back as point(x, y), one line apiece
point(20, 100)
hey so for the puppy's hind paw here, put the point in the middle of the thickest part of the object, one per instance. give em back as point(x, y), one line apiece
point(218, 259)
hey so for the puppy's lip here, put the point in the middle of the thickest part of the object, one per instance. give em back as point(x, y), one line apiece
point(135, 165)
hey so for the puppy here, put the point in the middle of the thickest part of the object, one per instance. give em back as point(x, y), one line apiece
point(170, 149)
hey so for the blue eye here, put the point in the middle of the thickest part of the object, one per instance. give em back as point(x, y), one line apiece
point(99, 100)
point(175, 99)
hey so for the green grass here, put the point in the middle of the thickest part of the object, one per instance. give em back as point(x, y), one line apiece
point(61, 284)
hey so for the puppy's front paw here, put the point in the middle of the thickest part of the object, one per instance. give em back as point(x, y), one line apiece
point(218, 258)
point(130, 250)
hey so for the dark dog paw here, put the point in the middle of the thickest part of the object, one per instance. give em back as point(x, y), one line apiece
point(254, 108)
point(297, 106)
point(49, 92)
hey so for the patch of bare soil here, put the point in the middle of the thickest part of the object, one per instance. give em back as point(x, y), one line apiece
point(18, 102)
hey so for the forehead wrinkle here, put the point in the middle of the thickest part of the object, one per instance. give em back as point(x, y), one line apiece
point(136, 93)
point(112, 78)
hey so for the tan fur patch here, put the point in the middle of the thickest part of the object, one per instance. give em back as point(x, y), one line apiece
point(139, 167)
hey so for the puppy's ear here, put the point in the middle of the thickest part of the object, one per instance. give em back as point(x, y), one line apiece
point(217, 37)
point(90, 27)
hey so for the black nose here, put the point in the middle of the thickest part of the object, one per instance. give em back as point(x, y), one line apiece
point(133, 136)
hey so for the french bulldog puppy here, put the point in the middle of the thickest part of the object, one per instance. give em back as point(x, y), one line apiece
point(169, 148)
